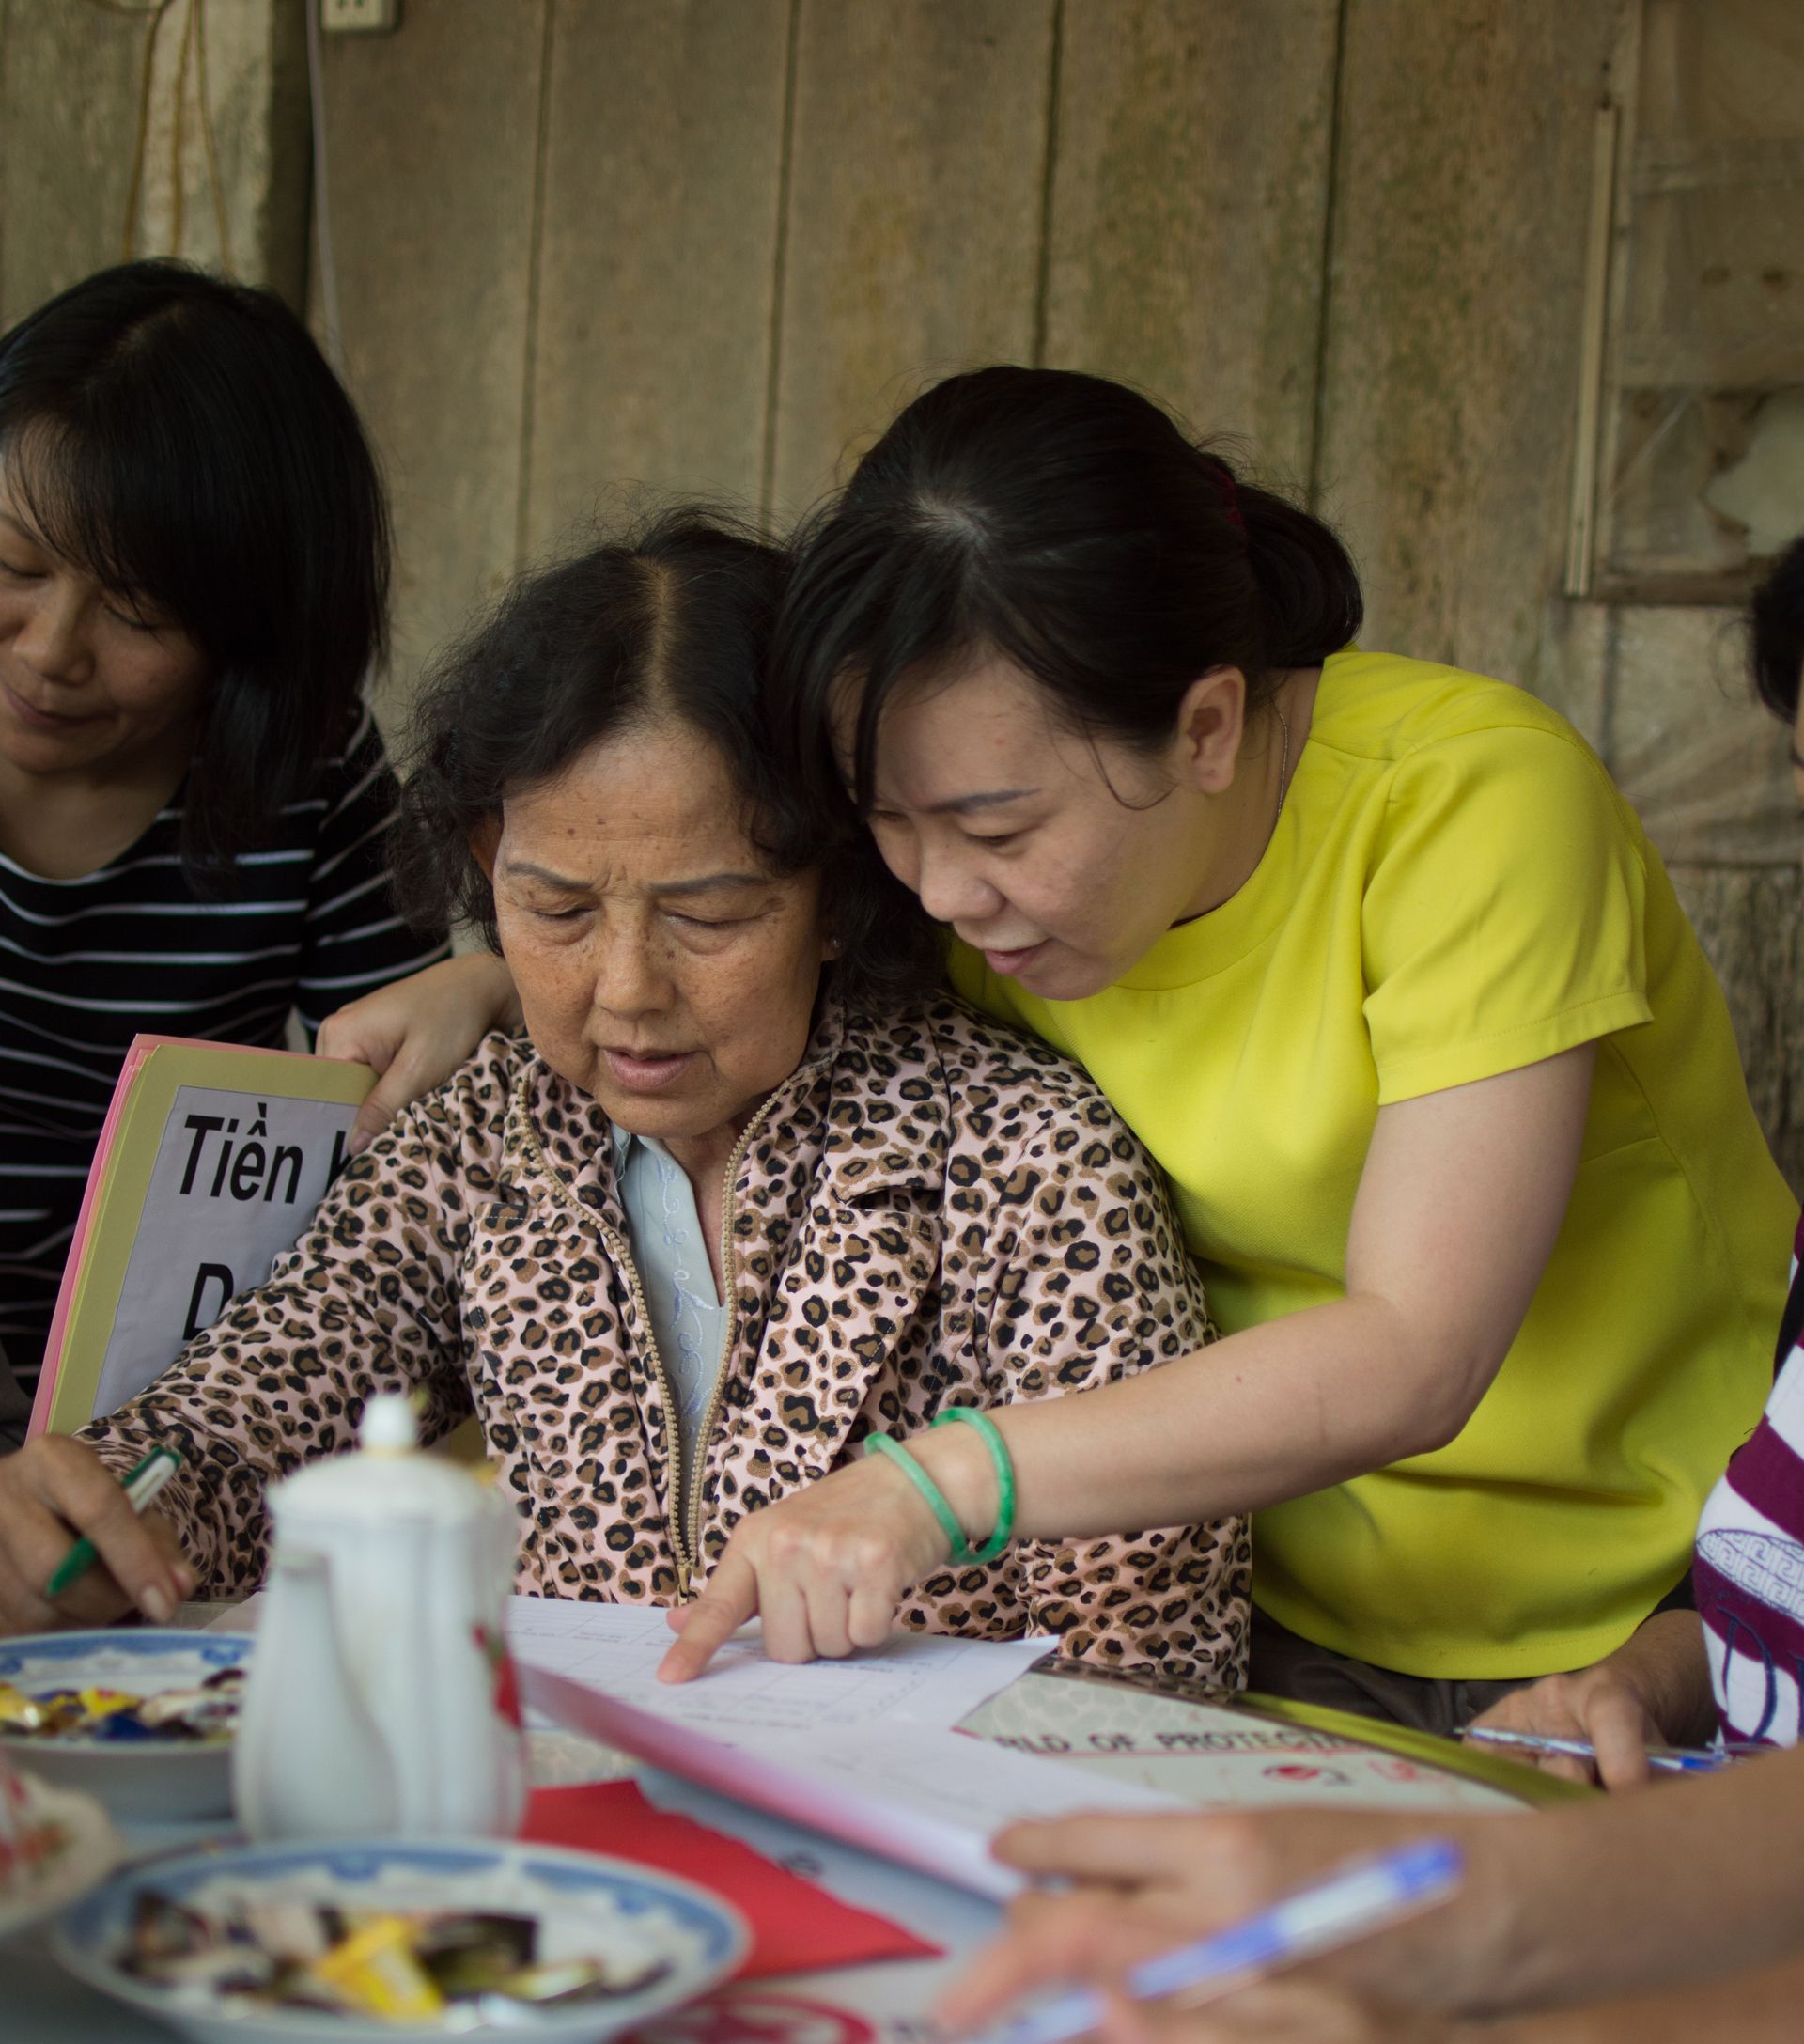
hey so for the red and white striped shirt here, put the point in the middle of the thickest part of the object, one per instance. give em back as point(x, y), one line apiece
point(1750, 1567)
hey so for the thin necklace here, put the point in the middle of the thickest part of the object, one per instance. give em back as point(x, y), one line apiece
point(1283, 758)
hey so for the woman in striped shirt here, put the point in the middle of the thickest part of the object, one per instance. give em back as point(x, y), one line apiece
point(195, 803)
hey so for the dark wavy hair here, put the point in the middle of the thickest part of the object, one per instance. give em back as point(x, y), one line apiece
point(672, 618)
point(182, 440)
point(1776, 633)
point(1065, 523)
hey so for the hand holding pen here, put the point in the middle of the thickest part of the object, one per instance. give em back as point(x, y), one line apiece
point(1130, 1887)
point(1644, 1711)
point(1356, 1900)
point(56, 1494)
point(1661, 1759)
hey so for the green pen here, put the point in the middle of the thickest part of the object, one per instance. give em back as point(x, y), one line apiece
point(141, 1486)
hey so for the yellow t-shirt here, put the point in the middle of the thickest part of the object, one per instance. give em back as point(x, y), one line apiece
point(1456, 889)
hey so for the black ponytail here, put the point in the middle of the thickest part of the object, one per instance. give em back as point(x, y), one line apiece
point(1065, 524)
point(1308, 593)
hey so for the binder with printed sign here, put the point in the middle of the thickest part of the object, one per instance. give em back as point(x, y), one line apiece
point(210, 1163)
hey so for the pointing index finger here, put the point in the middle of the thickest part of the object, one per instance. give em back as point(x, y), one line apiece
point(730, 1599)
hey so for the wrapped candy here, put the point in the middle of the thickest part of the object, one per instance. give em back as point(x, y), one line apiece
point(578, 1980)
point(20, 1713)
point(475, 1955)
point(378, 1970)
point(399, 1965)
point(113, 1715)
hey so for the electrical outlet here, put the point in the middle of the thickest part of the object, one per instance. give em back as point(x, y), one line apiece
point(359, 17)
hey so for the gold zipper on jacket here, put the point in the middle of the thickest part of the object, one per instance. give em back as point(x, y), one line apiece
point(730, 1287)
point(672, 1447)
point(622, 1253)
point(685, 1528)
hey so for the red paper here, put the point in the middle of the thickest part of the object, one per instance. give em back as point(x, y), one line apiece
point(796, 1927)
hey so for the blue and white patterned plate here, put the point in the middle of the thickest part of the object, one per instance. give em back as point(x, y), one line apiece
point(585, 1907)
point(149, 1780)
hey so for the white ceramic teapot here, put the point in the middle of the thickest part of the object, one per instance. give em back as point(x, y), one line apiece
point(381, 1700)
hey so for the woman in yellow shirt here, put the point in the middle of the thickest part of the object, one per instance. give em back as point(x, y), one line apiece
point(1379, 966)
point(1376, 961)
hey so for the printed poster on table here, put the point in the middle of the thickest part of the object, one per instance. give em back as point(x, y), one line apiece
point(212, 1162)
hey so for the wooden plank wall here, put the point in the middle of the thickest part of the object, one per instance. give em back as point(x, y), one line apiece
point(590, 251)
point(134, 126)
point(710, 246)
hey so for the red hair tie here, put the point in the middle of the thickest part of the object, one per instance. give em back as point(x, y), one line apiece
point(1230, 495)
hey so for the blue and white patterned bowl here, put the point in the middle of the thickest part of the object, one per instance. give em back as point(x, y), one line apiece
point(149, 1780)
point(585, 1906)
point(83, 1849)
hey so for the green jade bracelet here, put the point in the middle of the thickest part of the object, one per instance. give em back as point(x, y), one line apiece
point(963, 1553)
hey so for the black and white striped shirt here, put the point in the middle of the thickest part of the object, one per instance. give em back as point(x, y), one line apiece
point(85, 964)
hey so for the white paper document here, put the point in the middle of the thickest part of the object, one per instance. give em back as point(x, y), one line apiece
point(918, 1678)
point(862, 1750)
point(931, 1799)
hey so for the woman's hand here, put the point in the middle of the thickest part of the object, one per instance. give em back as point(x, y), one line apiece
point(54, 1490)
point(824, 1570)
point(1653, 1690)
point(1136, 1886)
point(1601, 1705)
point(416, 1031)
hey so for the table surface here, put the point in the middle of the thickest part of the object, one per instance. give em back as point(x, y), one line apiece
point(1190, 1744)
point(40, 2004)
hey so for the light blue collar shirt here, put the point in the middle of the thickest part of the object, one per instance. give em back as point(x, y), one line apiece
point(688, 1317)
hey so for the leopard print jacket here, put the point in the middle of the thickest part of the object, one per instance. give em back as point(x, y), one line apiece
point(930, 1210)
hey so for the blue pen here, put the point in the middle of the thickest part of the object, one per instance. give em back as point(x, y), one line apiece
point(1357, 1899)
point(1662, 1759)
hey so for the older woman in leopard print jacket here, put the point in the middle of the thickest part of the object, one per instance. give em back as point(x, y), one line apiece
point(901, 1206)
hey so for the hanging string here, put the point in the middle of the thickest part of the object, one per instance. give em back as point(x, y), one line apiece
point(175, 132)
point(154, 14)
point(213, 181)
point(322, 200)
point(194, 43)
